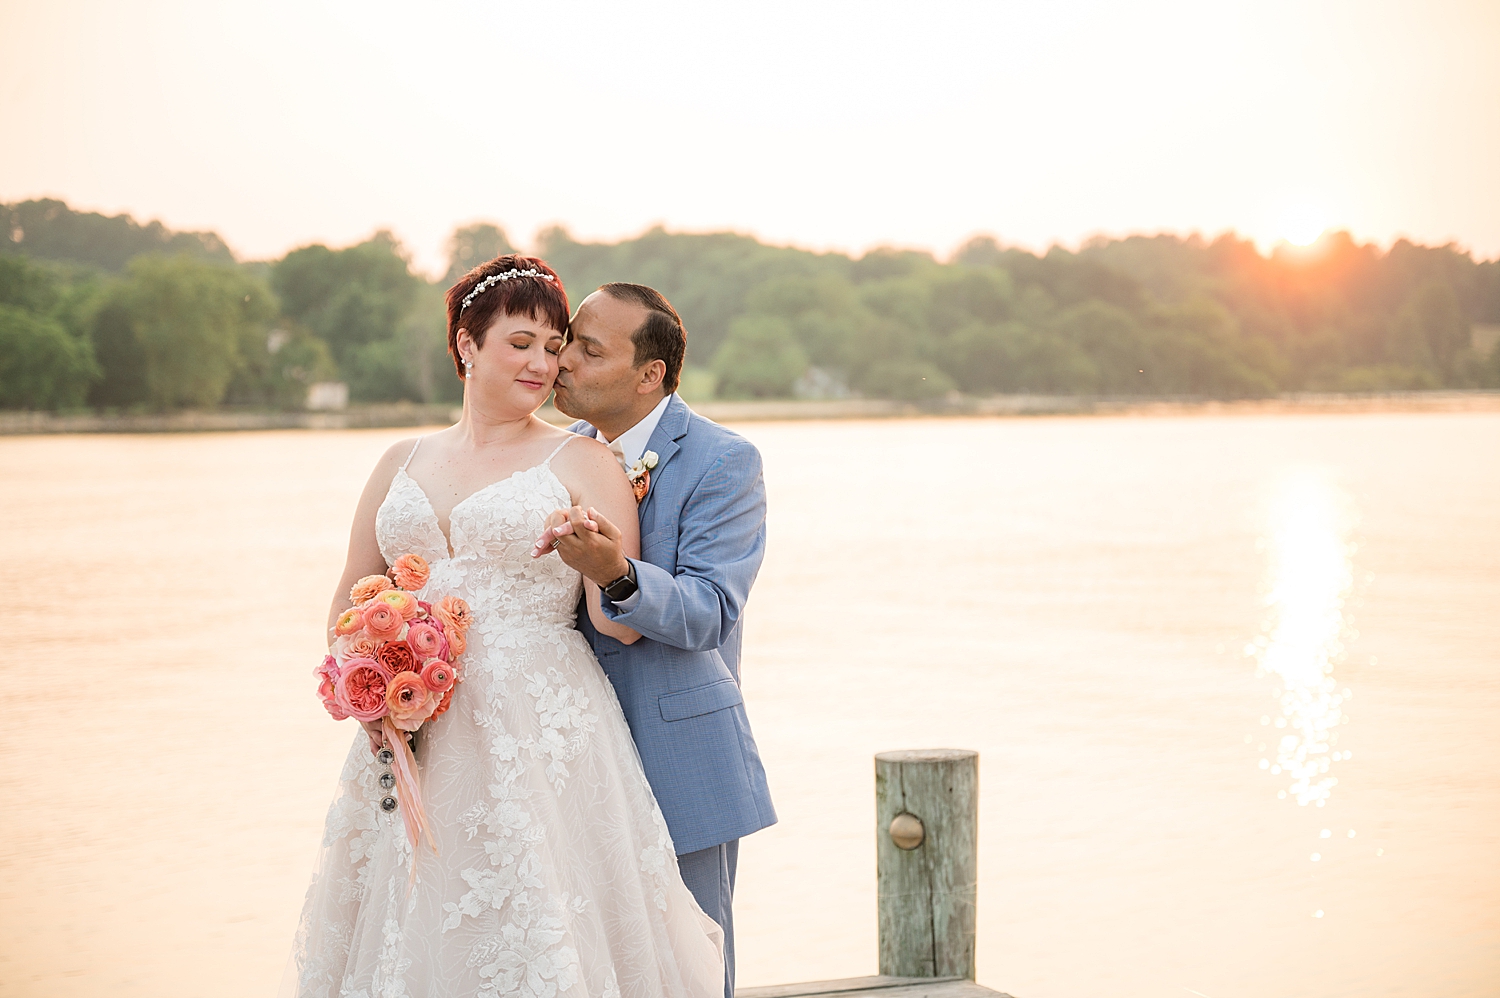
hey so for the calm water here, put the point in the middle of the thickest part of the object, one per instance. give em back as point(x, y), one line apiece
point(1115, 612)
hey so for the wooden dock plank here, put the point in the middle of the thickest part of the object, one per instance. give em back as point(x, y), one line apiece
point(876, 987)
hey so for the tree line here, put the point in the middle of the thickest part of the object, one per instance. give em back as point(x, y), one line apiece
point(107, 313)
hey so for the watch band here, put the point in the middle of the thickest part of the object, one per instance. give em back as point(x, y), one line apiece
point(622, 588)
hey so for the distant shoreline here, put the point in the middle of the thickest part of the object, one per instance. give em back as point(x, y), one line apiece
point(411, 414)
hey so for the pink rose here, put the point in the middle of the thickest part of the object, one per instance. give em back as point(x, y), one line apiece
point(361, 689)
point(439, 676)
point(382, 621)
point(397, 656)
point(328, 674)
point(409, 701)
point(425, 640)
point(359, 645)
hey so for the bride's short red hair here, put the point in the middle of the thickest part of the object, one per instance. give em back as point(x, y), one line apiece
point(541, 299)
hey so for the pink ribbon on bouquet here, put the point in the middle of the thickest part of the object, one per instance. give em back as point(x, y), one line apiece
point(408, 790)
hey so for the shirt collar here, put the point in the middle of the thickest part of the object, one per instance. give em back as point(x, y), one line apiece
point(633, 441)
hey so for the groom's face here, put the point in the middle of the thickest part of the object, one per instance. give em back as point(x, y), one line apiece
point(597, 377)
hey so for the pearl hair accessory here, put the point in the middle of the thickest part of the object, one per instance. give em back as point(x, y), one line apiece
point(495, 279)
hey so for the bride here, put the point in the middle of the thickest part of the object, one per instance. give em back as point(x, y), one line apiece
point(554, 872)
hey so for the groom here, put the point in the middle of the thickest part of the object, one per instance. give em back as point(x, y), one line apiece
point(702, 508)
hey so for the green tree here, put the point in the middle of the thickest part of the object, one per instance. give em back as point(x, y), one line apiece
point(49, 230)
point(177, 331)
point(906, 381)
point(1011, 357)
point(359, 301)
point(1431, 329)
point(45, 360)
point(42, 366)
point(761, 359)
point(471, 245)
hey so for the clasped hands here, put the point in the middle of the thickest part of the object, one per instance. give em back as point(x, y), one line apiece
point(586, 542)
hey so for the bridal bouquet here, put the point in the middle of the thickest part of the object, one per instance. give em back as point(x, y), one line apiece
point(395, 660)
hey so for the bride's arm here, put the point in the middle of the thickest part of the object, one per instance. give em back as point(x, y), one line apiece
point(594, 479)
point(364, 556)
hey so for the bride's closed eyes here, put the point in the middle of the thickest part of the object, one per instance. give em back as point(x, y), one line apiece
point(523, 340)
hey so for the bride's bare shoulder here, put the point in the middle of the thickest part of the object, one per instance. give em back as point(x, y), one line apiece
point(385, 468)
point(585, 462)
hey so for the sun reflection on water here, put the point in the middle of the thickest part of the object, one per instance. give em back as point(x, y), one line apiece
point(1311, 576)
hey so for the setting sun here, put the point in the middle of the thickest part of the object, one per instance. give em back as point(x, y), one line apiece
point(1302, 224)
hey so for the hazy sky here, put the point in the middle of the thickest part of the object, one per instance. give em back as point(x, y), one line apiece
point(821, 124)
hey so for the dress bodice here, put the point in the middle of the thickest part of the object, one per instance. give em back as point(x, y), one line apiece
point(492, 533)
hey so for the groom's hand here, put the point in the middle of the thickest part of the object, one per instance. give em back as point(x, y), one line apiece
point(558, 525)
point(591, 546)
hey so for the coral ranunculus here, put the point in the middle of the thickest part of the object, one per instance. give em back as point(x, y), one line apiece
point(411, 571)
point(409, 701)
point(443, 704)
point(426, 640)
point(368, 588)
point(399, 600)
point(361, 689)
point(438, 675)
point(454, 613)
point(456, 640)
point(383, 622)
point(397, 656)
point(349, 621)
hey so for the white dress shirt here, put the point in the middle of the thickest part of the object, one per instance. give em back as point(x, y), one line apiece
point(630, 445)
point(627, 449)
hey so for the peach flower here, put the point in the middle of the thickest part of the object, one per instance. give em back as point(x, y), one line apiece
point(382, 622)
point(426, 640)
point(349, 621)
point(439, 676)
point(368, 588)
point(456, 640)
point(454, 613)
point(398, 657)
point(359, 645)
point(409, 701)
point(361, 689)
point(411, 571)
point(443, 705)
point(399, 600)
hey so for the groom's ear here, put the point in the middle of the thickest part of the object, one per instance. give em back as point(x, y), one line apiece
point(651, 377)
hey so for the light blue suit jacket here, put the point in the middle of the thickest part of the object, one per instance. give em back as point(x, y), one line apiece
point(703, 534)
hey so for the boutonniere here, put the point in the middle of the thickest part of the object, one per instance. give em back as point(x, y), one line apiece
point(640, 475)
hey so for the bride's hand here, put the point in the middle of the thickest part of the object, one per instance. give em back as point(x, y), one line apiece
point(376, 734)
point(558, 525)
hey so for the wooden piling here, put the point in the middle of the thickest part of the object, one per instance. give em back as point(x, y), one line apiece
point(926, 857)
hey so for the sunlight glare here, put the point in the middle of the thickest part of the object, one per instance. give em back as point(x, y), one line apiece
point(1302, 225)
point(1311, 574)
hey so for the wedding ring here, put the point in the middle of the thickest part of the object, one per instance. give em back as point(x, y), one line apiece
point(555, 543)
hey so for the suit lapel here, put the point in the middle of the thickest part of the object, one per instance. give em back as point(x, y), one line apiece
point(672, 427)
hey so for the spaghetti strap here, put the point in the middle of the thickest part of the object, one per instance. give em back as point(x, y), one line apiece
point(559, 448)
point(413, 453)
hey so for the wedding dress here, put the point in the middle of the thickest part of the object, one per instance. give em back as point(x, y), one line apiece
point(555, 874)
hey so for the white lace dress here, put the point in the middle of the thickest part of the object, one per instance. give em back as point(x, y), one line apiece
point(555, 874)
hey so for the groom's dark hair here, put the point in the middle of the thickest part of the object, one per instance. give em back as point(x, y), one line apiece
point(661, 337)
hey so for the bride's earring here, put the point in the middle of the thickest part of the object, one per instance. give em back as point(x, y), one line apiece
point(468, 367)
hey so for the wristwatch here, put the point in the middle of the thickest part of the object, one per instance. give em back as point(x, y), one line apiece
point(624, 587)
